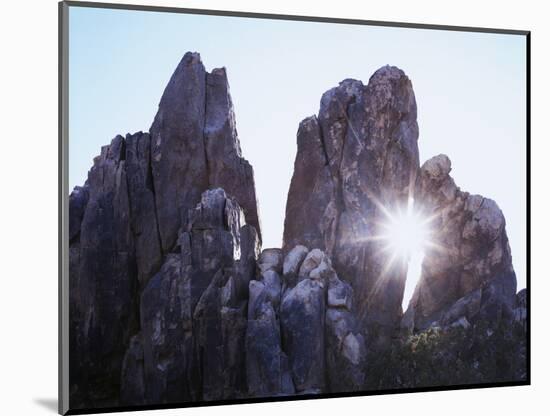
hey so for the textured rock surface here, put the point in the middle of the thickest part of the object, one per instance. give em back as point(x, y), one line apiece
point(469, 271)
point(220, 315)
point(271, 259)
point(132, 378)
point(345, 349)
point(143, 211)
point(132, 216)
point(104, 304)
point(360, 152)
point(166, 330)
point(193, 311)
point(226, 167)
point(180, 171)
point(194, 146)
point(321, 338)
point(305, 342)
point(268, 373)
point(520, 310)
point(77, 207)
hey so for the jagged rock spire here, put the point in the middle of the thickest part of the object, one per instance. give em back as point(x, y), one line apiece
point(358, 154)
point(194, 146)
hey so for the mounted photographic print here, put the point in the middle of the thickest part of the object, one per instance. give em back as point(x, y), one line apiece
point(351, 217)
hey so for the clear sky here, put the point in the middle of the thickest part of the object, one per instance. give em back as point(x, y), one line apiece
point(470, 93)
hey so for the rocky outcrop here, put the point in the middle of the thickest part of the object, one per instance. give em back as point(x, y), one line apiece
point(467, 273)
point(227, 168)
point(132, 217)
point(194, 146)
point(464, 315)
point(305, 343)
point(193, 311)
point(328, 353)
point(302, 336)
point(358, 155)
point(77, 206)
point(141, 195)
point(220, 314)
point(132, 377)
point(267, 367)
point(167, 332)
point(345, 343)
point(520, 310)
point(172, 299)
point(103, 306)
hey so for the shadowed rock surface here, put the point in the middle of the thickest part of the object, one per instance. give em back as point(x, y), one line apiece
point(193, 311)
point(125, 221)
point(194, 146)
point(267, 366)
point(103, 305)
point(132, 377)
point(143, 214)
point(328, 353)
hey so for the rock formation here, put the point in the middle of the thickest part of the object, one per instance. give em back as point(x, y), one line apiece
point(356, 165)
point(469, 271)
point(267, 366)
point(359, 154)
point(103, 308)
point(132, 217)
point(194, 146)
point(303, 337)
point(172, 299)
point(193, 311)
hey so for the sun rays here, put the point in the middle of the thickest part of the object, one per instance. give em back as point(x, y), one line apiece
point(401, 237)
point(405, 232)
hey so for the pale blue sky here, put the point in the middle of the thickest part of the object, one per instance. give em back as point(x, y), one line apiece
point(470, 92)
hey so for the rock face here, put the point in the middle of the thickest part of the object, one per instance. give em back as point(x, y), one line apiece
point(172, 300)
point(469, 270)
point(345, 344)
point(303, 336)
point(464, 315)
point(194, 146)
point(193, 311)
point(358, 155)
point(132, 377)
point(328, 353)
point(356, 165)
point(141, 195)
point(267, 367)
point(305, 343)
point(132, 217)
point(103, 303)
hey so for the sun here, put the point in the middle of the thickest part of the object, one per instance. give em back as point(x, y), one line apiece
point(403, 236)
point(406, 232)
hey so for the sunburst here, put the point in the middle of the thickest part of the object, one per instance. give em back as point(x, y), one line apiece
point(406, 231)
point(404, 235)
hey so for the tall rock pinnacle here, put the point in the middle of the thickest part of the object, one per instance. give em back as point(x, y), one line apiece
point(357, 158)
point(194, 146)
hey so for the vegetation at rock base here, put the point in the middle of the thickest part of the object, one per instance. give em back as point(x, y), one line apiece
point(453, 356)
